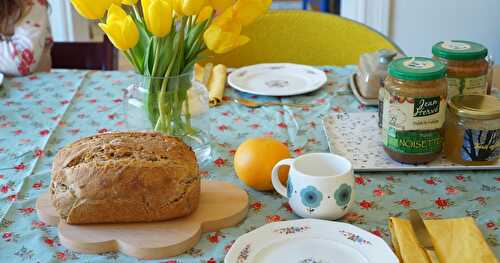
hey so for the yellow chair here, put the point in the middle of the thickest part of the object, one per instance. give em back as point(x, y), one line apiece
point(304, 37)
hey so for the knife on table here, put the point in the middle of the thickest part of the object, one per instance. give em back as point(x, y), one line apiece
point(423, 236)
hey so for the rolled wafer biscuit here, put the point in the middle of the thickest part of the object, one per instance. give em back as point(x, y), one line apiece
point(216, 85)
point(198, 72)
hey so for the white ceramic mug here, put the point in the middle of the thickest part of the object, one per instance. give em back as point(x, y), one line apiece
point(320, 185)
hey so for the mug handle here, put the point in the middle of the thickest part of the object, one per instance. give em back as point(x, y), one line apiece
point(278, 186)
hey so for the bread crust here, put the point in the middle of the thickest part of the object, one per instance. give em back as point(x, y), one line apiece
point(124, 177)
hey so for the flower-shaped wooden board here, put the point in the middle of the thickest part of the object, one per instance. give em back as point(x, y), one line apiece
point(221, 205)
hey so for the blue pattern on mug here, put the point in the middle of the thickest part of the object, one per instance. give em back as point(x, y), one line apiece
point(289, 187)
point(343, 195)
point(311, 197)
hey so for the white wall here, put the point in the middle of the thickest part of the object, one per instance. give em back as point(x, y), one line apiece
point(415, 25)
point(374, 13)
point(66, 23)
point(58, 22)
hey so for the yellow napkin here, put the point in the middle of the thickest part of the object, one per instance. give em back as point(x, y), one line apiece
point(455, 240)
point(214, 78)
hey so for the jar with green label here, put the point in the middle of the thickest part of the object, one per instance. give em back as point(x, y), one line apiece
point(414, 109)
point(467, 66)
point(473, 130)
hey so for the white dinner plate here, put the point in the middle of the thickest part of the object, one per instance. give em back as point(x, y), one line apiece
point(310, 241)
point(1, 79)
point(278, 79)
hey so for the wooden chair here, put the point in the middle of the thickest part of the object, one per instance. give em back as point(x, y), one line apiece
point(85, 55)
point(304, 37)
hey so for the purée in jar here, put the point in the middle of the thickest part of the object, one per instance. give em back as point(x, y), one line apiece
point(414, 109)
point(473, 130)
point(467, 66)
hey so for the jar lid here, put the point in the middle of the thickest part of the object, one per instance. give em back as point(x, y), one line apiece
point(484, 107)
point(459, 50)
point(417, 68)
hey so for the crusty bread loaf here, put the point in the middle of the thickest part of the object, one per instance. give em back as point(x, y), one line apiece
point(124, 177)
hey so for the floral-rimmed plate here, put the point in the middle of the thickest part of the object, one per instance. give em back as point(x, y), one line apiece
point(310, 241)
point(277, 79)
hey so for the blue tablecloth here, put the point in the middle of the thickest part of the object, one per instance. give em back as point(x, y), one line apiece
point(41, 113)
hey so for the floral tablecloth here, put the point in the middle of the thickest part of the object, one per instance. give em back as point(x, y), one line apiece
point(41, 113)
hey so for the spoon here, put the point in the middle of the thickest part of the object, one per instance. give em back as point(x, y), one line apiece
point(253, 104)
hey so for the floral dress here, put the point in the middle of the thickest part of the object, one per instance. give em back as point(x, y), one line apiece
point(28, 49)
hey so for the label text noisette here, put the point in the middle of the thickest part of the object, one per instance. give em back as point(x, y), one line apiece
point(419, 144)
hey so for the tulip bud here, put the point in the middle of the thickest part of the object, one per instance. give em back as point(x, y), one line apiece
point(188, 7)
point(220, 5)
point(129, 2)
point(223, 35)
point(120, 28)
point(246, 11)
point(204, 14)
point(91, 9)
point(158, 16)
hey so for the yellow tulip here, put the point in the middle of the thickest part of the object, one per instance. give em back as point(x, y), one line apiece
point(188, 7)
point(120, 28)
point(246, 11)
point(220, 5)
point(91, 9)
point(129, 2)
point(204, 14)
point(158, 16)
point(125, 2)
point(223, 35)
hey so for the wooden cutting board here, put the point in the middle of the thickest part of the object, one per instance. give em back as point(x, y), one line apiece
point(221, 205)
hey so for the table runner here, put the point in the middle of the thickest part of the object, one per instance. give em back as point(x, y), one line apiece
point(41, 113)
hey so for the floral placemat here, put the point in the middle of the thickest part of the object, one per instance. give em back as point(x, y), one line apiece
point(358, 137)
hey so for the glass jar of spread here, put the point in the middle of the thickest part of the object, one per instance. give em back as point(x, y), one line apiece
point(467, 66)
point(473, 130)
point(414, 109)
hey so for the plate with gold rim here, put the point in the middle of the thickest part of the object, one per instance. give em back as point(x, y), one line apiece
point(310, 241)
point(277, 79)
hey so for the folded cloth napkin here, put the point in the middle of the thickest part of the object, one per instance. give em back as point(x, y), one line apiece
point(456, 240)
point(214, 78)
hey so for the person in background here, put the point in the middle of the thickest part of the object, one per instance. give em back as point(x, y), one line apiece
point(25, 38)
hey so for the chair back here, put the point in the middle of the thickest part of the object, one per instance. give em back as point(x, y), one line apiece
point(85, 55)
point(304, 37)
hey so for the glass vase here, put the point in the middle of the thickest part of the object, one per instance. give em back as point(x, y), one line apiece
point(175, 106)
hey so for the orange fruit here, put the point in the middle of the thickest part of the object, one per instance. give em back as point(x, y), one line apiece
point(254, 161)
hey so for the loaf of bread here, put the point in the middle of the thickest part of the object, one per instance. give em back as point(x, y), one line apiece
point(124, 177)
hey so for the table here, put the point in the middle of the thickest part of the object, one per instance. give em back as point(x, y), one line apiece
point(41, 113)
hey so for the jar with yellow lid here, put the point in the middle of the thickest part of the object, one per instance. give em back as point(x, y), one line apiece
point(467, 66)
point(414, 109)
point(473, 130)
